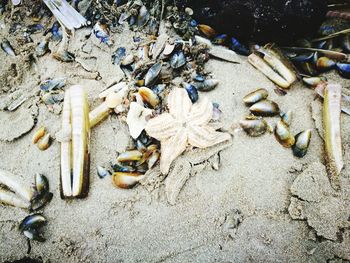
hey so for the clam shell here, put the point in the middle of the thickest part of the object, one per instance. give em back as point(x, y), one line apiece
point(302, 141)
point(137, 119)
point(254, 127)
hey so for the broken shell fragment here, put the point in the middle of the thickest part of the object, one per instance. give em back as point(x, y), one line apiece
point(113, 100)
point(99, 114)
point(284, 135)
point(39, 134)
point(331, 123)
point(137, 119)
point(126, 180)
point(255, 96)
point(265, 108)
point(44, 142)
point(302, 141)
point(149, 97)
point(130, 156)
point(254, 127)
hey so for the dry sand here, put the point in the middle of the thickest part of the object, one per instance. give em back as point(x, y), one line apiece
point(262, 205)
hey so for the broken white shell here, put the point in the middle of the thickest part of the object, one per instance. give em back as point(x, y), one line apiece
point(137, 119)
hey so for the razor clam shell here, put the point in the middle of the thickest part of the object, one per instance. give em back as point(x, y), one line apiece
point(9, 198)
point(80, 141)
point(224, 53)
point(332, 132)
point(66, 149)
point(264, 68)
point(98, 114)
point(11, 181)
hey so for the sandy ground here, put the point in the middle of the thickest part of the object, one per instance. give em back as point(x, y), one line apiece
point(262, 205)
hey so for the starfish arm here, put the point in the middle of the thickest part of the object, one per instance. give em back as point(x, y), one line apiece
point(204, 136)
point(162, 127)
point(201, 112)
point(172, 148)
point(179, 104)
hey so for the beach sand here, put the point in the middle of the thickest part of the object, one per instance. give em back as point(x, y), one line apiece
point(261, 205)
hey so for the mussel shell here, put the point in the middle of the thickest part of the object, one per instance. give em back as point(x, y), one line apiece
point(153, 74)
point(32, 222)
point(207, 30)
point(40, 201)
point(123, 168)
point(7, 48)
point(118, 55)
point(126, 180)
point(130, 156)
point(302, 141)
point(33, 234)
point(255, 96)
point(207, 85)
point(284, 135)
point(265, 108)
point(102, 172)
point(42, 48)
point(254, 127)
point(52, 84)
point(149, 97)
point(41, 184)
point(236, 46)
point(192, 92)
point(302, 57)
point(345, 43)
point(308, 68)
point(220, 39)
point(177, 60)
point(344, 69)
point(65, 56)
point(324, 64)
point(143, 16)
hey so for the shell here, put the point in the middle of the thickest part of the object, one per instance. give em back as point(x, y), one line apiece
point(39, 133)
point(45, 142)
point(9, 198)
point(192, 92)
point(302, 142)
point(332, 131)
point(41, 184)
point(153, 74)
point(254, 127)
point(149, 97)
point(177, 60)
point(126, 180)
point(32, 222)
point(207, 85)
point(113, 100)
point(255, 96)
point(52, 84)
point(42, 48)
point(118, 55)
point(324, 64)
point(64, 56)
point(344, 69)
point(130, 156)
point(102, 172)
point(137, 119)
point(283, 135)
point(286, 117)
point(143, 16)
point(7, 48)
point(236, 46)
point(207, 30)
point(265, 108)
point(314, 81)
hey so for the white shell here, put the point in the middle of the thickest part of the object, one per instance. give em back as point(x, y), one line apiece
point(137, 119)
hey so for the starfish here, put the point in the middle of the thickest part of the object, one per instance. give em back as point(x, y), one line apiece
point(184, 125)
